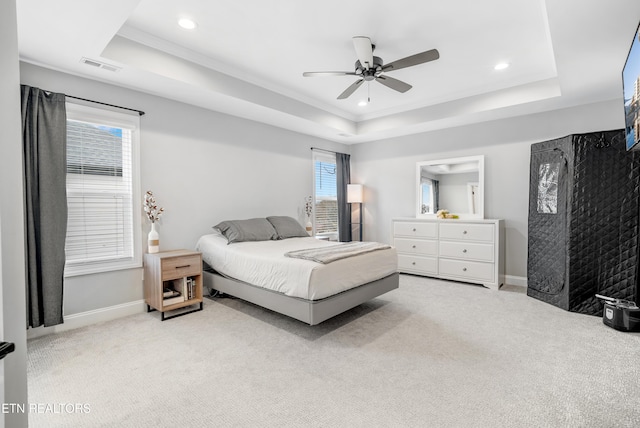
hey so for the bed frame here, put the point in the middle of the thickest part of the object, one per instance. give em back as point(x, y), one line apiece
point(311, 312)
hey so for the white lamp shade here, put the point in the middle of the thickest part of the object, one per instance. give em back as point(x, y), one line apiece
point(355, 193)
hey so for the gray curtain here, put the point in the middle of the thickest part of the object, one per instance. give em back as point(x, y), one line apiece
point(436, 195)
point(44, 139)
point(343, 171)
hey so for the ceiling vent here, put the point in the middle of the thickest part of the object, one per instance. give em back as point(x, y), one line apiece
point(100, 64)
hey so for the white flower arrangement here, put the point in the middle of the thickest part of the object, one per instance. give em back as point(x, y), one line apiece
point(308, 206)
point(150, 207)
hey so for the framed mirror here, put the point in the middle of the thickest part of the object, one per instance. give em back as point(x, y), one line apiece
point(455, 184)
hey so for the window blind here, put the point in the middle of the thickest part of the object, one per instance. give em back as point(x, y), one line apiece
point(100, 196)
point(326, 195)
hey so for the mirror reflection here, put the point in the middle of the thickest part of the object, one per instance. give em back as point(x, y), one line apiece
point(455, 185)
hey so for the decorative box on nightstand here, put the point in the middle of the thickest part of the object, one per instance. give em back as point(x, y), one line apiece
point(173, 280)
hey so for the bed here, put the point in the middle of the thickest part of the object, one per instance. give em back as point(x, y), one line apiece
point(273, 263)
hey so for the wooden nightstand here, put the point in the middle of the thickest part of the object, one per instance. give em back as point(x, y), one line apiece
point(171, 272)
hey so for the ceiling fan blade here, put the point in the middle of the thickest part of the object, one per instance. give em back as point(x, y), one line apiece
point(328, 73)
point(409, 61)
point(364, 51)
point(350, 90)
point(395, 84)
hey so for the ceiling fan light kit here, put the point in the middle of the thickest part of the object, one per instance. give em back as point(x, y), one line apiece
point(371, 68)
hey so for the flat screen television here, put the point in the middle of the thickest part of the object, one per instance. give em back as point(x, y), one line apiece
point(631, 88)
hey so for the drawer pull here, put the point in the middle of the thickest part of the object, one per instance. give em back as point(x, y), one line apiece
point(414, 229)
point(464, 251)
point(413, 246)
point(464, 232)
point(464, 269)
point(413, 263)
point(182, 267)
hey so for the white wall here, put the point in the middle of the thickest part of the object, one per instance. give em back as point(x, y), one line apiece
point(388, 168)
point(13, 369)
point(203, 167)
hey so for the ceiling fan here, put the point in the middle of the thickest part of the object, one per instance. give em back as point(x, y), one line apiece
point(369, 67)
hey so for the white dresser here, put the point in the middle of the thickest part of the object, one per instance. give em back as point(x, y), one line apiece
point(462, 250)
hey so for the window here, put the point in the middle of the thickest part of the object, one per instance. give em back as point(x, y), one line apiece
point(102, 182)
point(325, 210)
point(427, 196)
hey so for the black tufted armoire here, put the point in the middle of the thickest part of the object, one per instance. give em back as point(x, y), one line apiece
point(584, 213)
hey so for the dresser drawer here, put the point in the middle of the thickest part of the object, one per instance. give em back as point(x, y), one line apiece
point(425, 247)
point(466, 250)
point(420, 230)
point(417, 264)
point(472, 271)
point(467, 231)
point(177, 267)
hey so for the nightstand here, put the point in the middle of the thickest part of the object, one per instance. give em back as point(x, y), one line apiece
point(173, 280)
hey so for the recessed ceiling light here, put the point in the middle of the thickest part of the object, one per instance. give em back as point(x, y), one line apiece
point(501, 66)
point(187, 24)
point(363, 103)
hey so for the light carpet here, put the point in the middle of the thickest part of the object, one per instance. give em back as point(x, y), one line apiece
point(430, 354)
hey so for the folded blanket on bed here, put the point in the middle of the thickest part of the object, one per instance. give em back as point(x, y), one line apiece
point(336, 252)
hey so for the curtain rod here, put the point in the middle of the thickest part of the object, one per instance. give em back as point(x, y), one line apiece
point(324, 150)
point(140, 112)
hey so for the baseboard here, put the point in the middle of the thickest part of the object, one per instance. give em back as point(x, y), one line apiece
point(518, 281)
point(90, 317)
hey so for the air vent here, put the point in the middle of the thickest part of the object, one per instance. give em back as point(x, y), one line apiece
point(100, 64)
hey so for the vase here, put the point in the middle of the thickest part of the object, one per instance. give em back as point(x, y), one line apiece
point(309, 227)
point(154, 240)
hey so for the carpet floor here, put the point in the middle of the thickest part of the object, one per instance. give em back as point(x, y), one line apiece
point(429, 354)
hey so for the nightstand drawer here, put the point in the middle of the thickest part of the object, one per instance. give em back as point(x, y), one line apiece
point(425, 247)
point(177, 267)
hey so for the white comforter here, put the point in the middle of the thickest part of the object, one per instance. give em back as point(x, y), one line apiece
point(263, 264)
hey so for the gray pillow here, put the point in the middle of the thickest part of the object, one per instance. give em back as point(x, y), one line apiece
point(254, 229)
point(287, 227)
